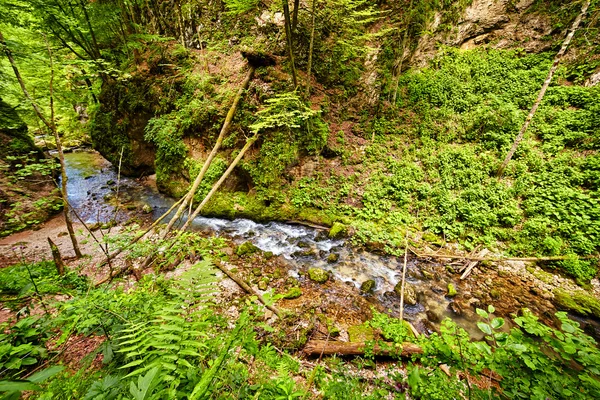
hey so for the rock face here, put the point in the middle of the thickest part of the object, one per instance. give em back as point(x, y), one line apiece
point(119, 125)
point(499, 23)
point(19, 207)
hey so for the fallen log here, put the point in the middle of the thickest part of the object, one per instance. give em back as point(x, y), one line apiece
point(325, 347)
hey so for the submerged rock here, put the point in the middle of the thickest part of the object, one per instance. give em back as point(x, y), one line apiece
point(332, 258)
point(410, 294)
point(318, 275)
point(367, 286)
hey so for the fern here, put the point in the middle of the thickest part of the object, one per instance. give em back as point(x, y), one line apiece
point(173, 340)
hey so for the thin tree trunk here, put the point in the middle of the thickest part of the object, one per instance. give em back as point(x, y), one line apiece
point(529, 118)
point(207, 198)
point(295, 16)
point(61, 157)
point(60, 266)
point(92, 33)
point(216, 186)
point(310, 50)
point(402, 286)
point(288, 35)
point(52, 128)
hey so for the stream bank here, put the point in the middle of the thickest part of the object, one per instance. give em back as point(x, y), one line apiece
point(283, 255)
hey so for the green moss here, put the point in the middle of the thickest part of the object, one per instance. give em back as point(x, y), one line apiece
point(333, 258)
point(246, 248)
point(318, 275)
point(338, 231)
point(368, 286)
point(361, 333)
point(578, 302)
point(451, 290)
point(293, 293)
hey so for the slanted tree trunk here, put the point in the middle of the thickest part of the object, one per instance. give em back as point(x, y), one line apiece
point(52, 127)
point(189, 197)
point(288, 35)
point(217, 185)
point(542, 92)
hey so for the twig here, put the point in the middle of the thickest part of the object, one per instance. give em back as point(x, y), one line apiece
point(245, 286)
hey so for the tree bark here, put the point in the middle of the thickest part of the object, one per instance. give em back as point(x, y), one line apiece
point(60, 266)
point(325, 347)
point(288, 35)
point(295, 16)
point(542, 92)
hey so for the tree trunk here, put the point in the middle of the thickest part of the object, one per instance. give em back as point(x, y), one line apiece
point(288, 35)
point(50, 125)
point(295, 16)
point(325, 347)
point(60, 266)
point(61, 157)
point(529, 118)
point(310, 49)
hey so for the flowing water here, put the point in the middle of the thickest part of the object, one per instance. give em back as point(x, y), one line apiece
point(94, 183)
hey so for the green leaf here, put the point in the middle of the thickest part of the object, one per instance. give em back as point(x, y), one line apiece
point(17, 386)
point(482, 313)
point(497, 323)
point(46, 373)
point(485, 328)
point(491, 309)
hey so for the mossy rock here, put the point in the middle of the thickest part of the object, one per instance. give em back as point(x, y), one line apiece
point(318, 275)
point(263, 284)
point(293, 293)
point(361, 333)
point(338, 231)
point(246, 248)
point(368, 286)
point(333, 258)
point(451, 290)
point(410, 294)
point(579, 302)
